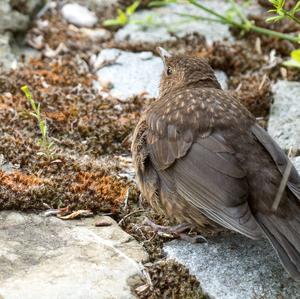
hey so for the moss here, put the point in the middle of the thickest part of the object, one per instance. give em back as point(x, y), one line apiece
point(170, 279)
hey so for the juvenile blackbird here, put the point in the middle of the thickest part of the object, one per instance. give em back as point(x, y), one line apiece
point(200, 156)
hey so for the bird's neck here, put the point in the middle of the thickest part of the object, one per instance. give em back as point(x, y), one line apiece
point(205, 83)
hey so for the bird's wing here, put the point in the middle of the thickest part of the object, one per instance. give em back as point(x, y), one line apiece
point(172, 127)
point(202, 166)
point(279, 157)
point(210, 179)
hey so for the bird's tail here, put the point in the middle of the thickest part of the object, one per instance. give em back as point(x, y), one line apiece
point(284, 234)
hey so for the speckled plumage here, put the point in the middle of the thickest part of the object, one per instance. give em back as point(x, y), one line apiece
point(200, 157)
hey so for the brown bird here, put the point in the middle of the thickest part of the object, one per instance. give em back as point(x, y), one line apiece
point(199, 155)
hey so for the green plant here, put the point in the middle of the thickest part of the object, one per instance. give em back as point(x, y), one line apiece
point(124, 16)
point(44, 142)
point(295, 59)
point(158, 3)
point(282, 13)
point(237, 19)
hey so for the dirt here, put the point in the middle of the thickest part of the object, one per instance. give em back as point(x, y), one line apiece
point(91, 131)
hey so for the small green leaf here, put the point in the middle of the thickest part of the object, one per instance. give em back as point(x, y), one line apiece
point(132, 8)
point(158, 3)
point(296, 55)
point(296, 8)
point(122, 17)
point(33, 114)
point(111, 22)
point(27, 92)
point(274, 19)
point(292, 63)
point(230, 14)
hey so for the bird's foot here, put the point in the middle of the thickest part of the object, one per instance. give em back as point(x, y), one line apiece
point(176, 231)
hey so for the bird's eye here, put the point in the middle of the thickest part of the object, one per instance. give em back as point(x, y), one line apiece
point(169, 71)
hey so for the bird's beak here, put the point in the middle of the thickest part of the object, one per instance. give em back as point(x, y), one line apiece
point(163, 53)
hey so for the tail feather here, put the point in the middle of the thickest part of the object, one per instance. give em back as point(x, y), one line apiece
point(285, 238)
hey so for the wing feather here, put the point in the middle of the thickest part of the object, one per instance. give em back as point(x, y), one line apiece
point(214, 183)
point(279, 157)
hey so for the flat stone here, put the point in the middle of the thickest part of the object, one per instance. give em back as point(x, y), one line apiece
point(235, 267)
point(133, 73)
point(166, 22)
point(79, 15)
point(49, 258)
point(296, 162)
point(284, 121)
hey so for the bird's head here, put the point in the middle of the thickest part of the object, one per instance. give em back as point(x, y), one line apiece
point(182, 71)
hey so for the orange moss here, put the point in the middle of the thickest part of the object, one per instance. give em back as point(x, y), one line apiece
point(57, 116)
point(106, 187)
point(18, 182)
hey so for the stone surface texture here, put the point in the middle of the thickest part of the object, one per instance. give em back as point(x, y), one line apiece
point(234, 267)
point(296, 162)
point(167, 23)
point(49, 258)
point(11, 21)
point(133, 73)
point(7, 58)
point(79, 15)
point(284, 121)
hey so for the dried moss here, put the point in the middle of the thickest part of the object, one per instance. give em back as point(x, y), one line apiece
point(170, 280)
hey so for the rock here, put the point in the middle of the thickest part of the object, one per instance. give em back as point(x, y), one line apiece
point(296, 162)
point(235, 267)
point(167, 22)
point(15, 16)
point(79, 15)
point(100, 6)
point(284, 121)
point(133, 73)
point(7, 58)
point(5, 165)
point(104, 9)
point(49, 258)
point(130, 73)
point(28, 7)
point(97, 35)
point(11, 19)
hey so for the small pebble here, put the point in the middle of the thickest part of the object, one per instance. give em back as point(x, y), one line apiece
point(99, 34)
point(102, 223)
point(79, 15)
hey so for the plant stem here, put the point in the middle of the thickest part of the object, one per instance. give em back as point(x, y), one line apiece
point(292, 17)
point(246, 26)
point(199, 17)
point(273, 33)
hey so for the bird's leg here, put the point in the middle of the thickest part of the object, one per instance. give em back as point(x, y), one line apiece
point(176, 230)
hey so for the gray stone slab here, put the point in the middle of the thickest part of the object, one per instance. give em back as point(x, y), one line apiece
point(284, 122)
point(133, 73)
point(48, 258)
point(296, 162)
point(234, 267)
point(168, 21)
